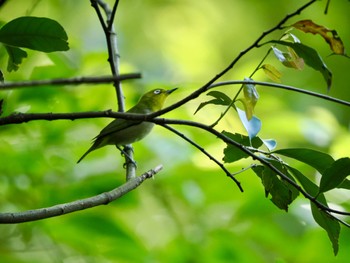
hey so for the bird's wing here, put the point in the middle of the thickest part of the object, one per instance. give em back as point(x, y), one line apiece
point(121, 124)
point(115, 126)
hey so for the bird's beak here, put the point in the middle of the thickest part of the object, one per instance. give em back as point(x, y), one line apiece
point(171, 90)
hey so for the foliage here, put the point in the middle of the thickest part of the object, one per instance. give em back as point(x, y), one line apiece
point(37, 33)
point(190, 209)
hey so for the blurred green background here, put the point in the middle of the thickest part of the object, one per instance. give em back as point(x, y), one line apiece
point(190, 212)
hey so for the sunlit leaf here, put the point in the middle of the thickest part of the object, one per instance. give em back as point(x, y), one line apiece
point(270, 144)
point(251, 97)
point(329, 224)
point(279, 54)
point(37, 33)
point(272, 72)
point(330, 36)
point(232, 153)
point(291, 37)
point(248, 108)
point(220, 98)
point(289, 59)
point(252, 126)
point(295, 61)
point(335, 174)
point(318, 160)
point(15, 57)
point(311, 58)
point(250, 92)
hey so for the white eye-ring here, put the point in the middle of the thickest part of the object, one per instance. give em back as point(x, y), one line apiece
point(157, 91)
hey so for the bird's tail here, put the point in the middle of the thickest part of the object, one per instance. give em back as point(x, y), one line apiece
point(86, 153)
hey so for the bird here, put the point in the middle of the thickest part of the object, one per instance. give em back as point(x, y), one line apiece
point(122, 132)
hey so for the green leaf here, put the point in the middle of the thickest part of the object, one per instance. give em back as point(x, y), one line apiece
point(329, 224)
point(37, 33)
point(220, 99)
point(252, 126)
point(335, 174)
point(318, 160)
point(232, 153)
point(305, 182)
point(282, 193)
point(311, 58)
point(1, 104)
point(322, 218)
point(15, 57)
point(345, 184)
point(311, 188)
point(279, 192)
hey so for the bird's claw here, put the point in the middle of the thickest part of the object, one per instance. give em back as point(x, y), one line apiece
point(128, 158)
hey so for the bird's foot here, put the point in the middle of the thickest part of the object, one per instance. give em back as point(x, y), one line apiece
point(129, 159)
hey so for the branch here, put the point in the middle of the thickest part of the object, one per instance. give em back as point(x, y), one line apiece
point(205, 153)
point(281, 86)
point(112, 15)
point(255, 44)
point(112, 47)
point(113, 59)
point(68, 81)
point(161, 121)
point(61, 209)
point(17, 118)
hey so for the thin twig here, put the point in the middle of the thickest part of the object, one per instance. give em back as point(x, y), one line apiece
point(94, 4)
point(255, 44)
point(112, 15)
point(113, 56)
point(113, 59)
point(17, 118)
point(61, 209)
point(68, 81)
point(281, 86)
point(246, 150)
point(205, 153)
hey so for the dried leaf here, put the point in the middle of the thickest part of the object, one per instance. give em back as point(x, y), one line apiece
point(330, 36)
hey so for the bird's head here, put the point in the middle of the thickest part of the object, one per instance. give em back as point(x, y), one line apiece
point(154, 99)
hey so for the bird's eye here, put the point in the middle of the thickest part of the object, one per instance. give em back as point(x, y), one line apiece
point(157, 91)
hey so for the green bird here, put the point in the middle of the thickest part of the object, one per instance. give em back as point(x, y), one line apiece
point(122, 132)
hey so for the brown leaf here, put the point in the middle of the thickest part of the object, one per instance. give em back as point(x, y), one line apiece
point(330, 36)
